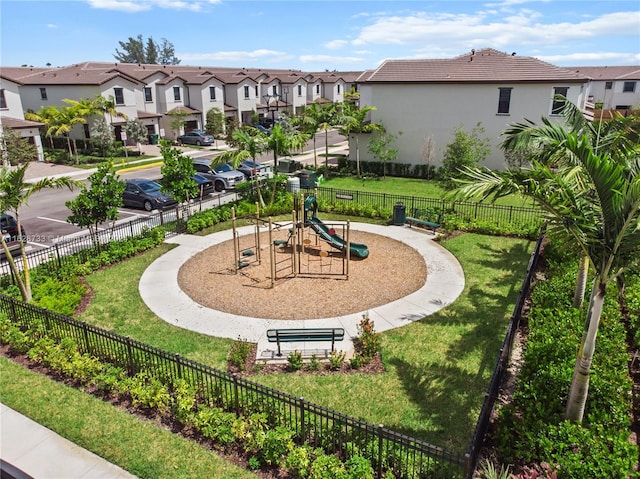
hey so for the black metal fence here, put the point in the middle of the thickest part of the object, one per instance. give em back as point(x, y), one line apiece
point(501, 215)
point(387, 450)
point(79, 248)
point(504, 355)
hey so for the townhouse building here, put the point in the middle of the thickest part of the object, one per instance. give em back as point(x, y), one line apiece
point(426, 100)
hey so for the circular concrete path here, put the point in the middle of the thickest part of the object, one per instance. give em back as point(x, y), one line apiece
point(161, 292)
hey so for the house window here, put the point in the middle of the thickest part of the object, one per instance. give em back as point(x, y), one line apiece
point(623, 107)
point(608, 85)
point(3, 99)
point(176, 93)
point(558, 104)
point(338, 89)
point(504, 101)
point(274, 89)
point(43, 93)
point(629, 87)
point(256, 91)
point(147, 94)
point(299, 90)
point(87, 133)
point(118, 93)
point(246, 92)
point(318, 89)
point(212, 93)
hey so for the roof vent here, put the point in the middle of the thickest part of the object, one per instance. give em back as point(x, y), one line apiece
point(513, 54)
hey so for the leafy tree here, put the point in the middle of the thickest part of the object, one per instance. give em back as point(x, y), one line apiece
point(136, 132)
point(99, 202)
point(102, 136)
point(68, 117)
point(134, 51)
point(465, 151)
point(178, 119)
point(47, 116)
point(381, 147)
point(352, 119)
point(589, 187)
point(309, 122)
point(14, 193)
point(215, 122)
point(177, 174)
point(249, 145)
point(16, 148)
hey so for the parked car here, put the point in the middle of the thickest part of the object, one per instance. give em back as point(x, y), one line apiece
point(9, 228)
point(224, 177)
point(251, 169)
point(196, 137)
point(205, 184)
point(266, 131)
point(146, 194)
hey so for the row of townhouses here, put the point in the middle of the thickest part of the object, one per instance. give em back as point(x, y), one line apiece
point(424, 100)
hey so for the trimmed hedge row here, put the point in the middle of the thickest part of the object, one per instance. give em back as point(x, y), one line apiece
point(531, 429)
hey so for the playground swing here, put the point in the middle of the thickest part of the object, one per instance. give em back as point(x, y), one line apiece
point(242, 256)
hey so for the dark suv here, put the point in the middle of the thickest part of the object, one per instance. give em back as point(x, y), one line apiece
point(9, 227)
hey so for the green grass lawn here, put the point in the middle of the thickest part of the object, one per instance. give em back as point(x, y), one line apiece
point(141, 447)
point(437, 369)
point(407, 186)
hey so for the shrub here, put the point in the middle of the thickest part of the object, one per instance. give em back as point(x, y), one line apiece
point(294, 361)
point(239, 353)
point(336, 360)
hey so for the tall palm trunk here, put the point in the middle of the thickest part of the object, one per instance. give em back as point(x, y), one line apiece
point(580, 382)
point(315, 153)
point(581, 282)
point(25, 290)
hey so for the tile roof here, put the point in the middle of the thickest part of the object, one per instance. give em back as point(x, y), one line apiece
point(478, 66)
point(631, 72)
point(16, 123)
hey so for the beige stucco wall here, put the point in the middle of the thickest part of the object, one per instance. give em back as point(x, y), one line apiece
point(420, 111)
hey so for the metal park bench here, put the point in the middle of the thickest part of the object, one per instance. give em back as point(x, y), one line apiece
point(429, 218)
point(307, 334)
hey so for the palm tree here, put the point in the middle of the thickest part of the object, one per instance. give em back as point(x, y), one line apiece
point(591, 194)
point(14, 193)
point(67, 117)
point(249, 147)
point(353, 120)
point(310, 122)
point(47, 116)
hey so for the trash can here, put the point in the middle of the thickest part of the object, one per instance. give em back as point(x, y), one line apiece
point(293, 184)
point(153, 139)
point(399, 214)
point(308, 178)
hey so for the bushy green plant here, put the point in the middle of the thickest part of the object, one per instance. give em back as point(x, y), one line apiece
point(368, 342)
point(336, 360)
point(314, 363)
point(328, 467)
point(530, 429)
point(216, 424)
point(239, 353)
point(183, 400)
point(278, 443)
point(294, 361)
point(147, 391)
point(359, 467)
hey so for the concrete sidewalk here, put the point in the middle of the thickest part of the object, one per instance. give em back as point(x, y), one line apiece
point(40, 453)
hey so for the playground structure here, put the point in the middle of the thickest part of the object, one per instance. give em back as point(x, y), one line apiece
point(301, 253)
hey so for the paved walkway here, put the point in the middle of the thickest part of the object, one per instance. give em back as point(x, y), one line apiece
point(160, 291)
point(40, 453)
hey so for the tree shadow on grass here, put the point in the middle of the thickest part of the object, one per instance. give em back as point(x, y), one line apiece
point(461, 346)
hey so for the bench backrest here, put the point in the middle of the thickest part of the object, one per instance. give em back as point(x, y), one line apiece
point(310, 333)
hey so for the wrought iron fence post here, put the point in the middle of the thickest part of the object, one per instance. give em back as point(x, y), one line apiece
point(303, 429)
point(58, 259)
point(179, 364)
point(129, 355)
point(87, 344)
point(14, 315)
point(380, 427)
point(131, 228)
point(236, 398)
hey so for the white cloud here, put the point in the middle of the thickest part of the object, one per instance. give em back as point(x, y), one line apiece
point(601, 58)
point(483, 29)
point(336, 44)
point(261, 55)
point(330, 59)
point(52, 25)
point(133, 6)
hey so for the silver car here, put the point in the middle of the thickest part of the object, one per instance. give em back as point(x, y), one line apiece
point(224, 177)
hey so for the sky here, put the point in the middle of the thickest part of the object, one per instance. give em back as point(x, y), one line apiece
point(324, 35)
